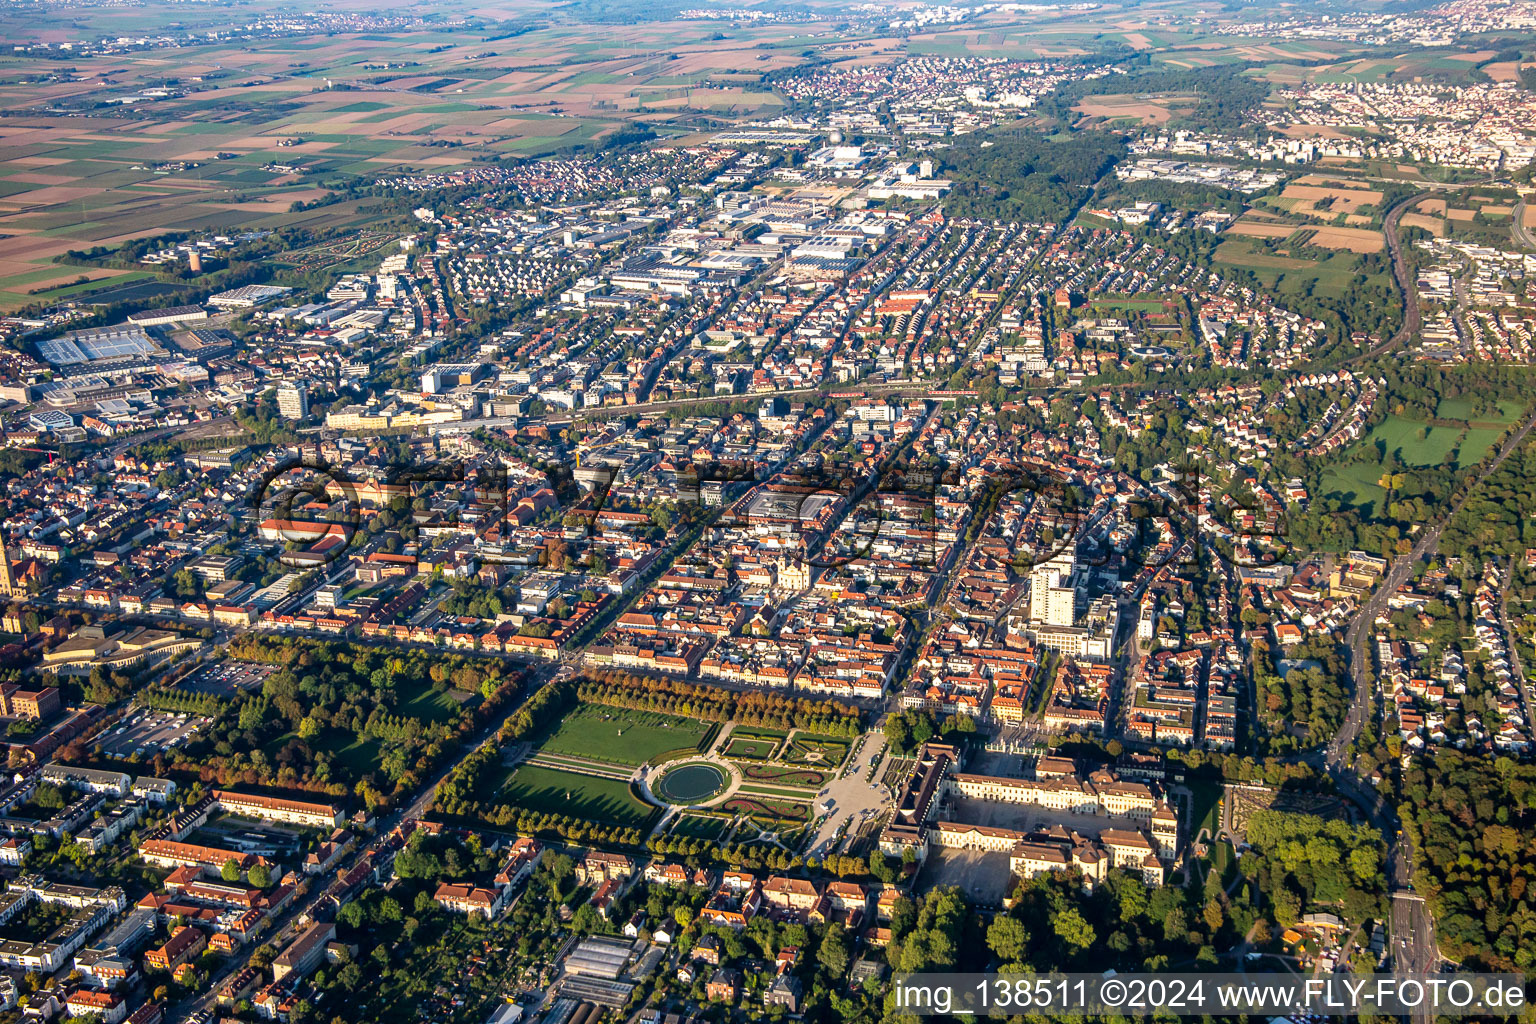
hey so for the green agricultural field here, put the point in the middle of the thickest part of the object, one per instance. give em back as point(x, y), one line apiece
point(1328, 277)
point(1357, 71)
point(579, 796)
point(17, 289)
point(619, 736)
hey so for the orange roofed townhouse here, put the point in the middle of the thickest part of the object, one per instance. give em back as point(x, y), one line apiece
point(470, 899)
point(167, 853)
point(790, 895)
point(293, 812)
point(108, 1007)
point(598, 866)
point(176, 954)
point(522, 858)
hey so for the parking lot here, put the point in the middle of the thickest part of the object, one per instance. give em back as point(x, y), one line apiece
point(226, 679)
point(148, 732)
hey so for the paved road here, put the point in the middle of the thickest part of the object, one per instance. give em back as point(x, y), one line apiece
point(1523, 235)
point(1402, 274)
point(1412, 948)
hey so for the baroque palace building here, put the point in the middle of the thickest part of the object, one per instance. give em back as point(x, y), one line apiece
point(1114, 823)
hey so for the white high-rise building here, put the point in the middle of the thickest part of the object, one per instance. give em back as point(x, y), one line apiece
point(293, 401)
point(1052, 597)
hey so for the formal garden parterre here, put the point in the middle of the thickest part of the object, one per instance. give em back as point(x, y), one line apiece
point(569, 763)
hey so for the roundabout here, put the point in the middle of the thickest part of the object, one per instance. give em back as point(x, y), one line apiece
point(691, 782)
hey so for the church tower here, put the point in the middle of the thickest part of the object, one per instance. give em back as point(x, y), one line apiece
point(8, 586)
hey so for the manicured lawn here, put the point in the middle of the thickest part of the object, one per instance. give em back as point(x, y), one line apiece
point(1418, 444)
point(772, 734)
point(1224, 860)
point(754, 744)
point(751, 747)
point(1462, 409)
point(783, 776)
point(619, 736)
point(772, 790)
point(1454, 409)
point(820, 750)
point(698, 827)
point(1140, 305)
point(579, 796)
point(764, 807)
point(1205, 807)
point(430, 706)
point(360, 756)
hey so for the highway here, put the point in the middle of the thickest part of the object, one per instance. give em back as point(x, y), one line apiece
point(1404, 278)
point(1523, 234)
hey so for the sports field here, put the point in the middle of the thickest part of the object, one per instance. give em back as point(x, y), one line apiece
point(618, 736)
